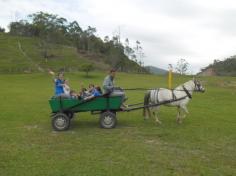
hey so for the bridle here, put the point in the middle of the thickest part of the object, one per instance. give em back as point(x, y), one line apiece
point(197, 86)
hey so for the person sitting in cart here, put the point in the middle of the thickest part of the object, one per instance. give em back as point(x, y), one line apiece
point(108, 84)
point(109, 87)
point(95, 91)
point(75, 95)
point(90, 88)
point(83, 92)
point(66, 88)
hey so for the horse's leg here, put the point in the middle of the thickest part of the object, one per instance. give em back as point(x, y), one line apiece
point(185, 109)
point(146, 110)
point(156, 115)
point(178, 114)
point(145, 114)
point(181, 115)
point(149, 112)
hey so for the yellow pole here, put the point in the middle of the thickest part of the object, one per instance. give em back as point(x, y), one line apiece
point(170, 77)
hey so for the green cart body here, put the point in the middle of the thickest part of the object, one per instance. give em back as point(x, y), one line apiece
point(63, 110)
point(101, 103)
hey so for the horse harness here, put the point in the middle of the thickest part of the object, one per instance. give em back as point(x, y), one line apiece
point(187, 92)
point(173, 94)
point(157, 99)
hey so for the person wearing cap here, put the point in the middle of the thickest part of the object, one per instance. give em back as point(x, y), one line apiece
point(108, 83)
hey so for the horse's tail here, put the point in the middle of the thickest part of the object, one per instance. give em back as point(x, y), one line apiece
point(146, 102)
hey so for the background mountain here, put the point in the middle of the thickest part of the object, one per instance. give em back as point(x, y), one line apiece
point(156, 70)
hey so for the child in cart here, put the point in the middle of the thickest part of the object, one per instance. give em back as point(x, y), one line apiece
point(94, 91)
point(59, 83)
point(66, 88)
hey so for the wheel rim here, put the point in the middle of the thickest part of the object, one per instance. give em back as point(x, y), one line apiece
point(60, 122)
point(107, 120)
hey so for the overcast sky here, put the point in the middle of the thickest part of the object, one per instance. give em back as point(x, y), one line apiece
point(196, 30)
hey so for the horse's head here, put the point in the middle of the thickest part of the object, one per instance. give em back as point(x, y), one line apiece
point(198, 86)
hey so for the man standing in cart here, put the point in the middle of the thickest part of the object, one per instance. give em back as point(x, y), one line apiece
point(108, 83)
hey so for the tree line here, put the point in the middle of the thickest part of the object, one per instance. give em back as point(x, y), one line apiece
point(52, 29)
point(226, 67)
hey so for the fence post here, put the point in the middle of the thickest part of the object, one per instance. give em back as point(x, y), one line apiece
point(170, 77)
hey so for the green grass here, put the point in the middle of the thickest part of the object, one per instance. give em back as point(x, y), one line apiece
point(203, 145)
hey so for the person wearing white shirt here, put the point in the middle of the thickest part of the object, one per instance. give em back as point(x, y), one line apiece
point(66, 88)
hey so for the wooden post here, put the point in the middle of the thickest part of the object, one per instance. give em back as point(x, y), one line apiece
point(170, 77)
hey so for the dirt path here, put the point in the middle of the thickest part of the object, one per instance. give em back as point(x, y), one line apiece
point(29, 59)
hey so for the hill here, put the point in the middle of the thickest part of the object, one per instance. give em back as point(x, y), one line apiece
point(24, 54)
point(46, 41)
point(226, 67)
point(156, 70)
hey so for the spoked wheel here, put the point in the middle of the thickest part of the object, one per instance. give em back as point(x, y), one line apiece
point(60, 122)
point(108, 120)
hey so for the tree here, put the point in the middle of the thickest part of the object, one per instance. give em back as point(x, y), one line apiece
point(89, 34)
point(106, 39)
point(129, 52)
point(22, 27)
point(74, 33)
point(87, 67)
point(182, 66)
point(139, 56)
point(50, 29)
point(2, 29)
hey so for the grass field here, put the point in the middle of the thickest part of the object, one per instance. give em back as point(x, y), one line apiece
point(203, 145)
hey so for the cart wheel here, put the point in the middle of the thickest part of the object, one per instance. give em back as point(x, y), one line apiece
point(108, 120)
point(71, 115)
point(60, 122)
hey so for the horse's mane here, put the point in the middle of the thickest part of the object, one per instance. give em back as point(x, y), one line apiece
point(181, 85)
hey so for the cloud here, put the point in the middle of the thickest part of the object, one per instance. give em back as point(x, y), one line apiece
point(198, 31)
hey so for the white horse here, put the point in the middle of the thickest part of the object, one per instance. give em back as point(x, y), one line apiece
point(178, 97)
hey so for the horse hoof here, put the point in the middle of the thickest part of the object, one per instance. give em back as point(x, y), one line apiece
point(145, 118)
point(158, 122)
point(179, 121)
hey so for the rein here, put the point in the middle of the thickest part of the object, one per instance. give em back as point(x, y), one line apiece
point(153, 89)
point(184, 89)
